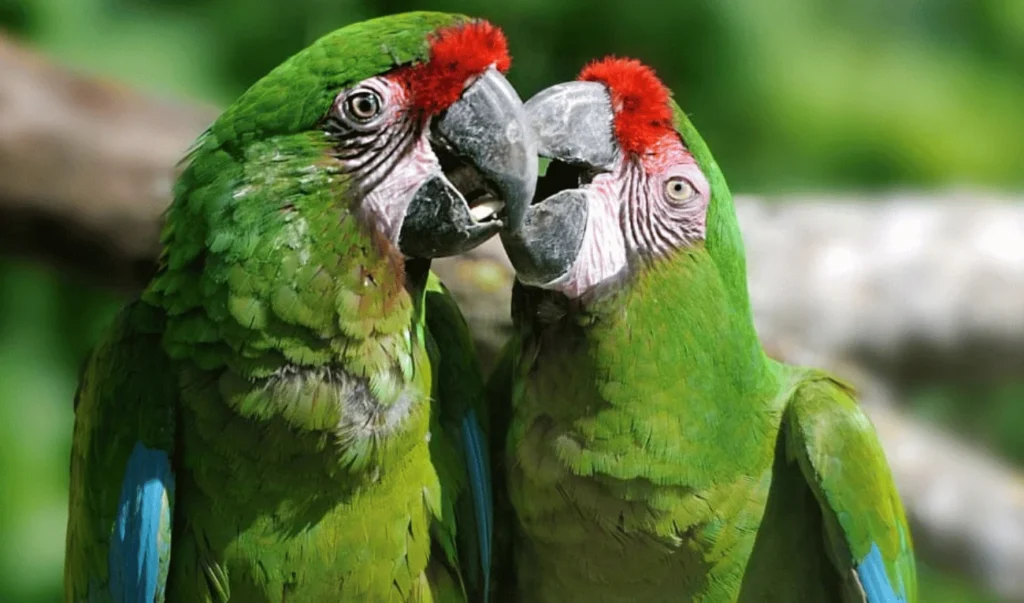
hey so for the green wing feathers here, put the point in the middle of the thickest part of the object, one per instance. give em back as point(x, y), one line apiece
point(124, 419)
point(838, 451)
point(463, 416)
point(499, 397)
point(460, 379)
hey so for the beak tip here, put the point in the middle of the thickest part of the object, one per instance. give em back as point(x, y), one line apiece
point(490, 126)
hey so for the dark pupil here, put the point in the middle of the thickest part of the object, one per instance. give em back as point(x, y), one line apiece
point(678, 187)
point(364, 106)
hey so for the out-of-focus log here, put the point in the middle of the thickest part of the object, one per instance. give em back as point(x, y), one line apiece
point(915, 287)
point(86, 168)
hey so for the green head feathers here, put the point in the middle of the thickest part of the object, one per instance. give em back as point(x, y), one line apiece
point(296, 95)
point(297, 208)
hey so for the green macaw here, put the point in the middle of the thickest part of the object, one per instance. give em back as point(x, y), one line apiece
point(652, 451)
point(292, 411)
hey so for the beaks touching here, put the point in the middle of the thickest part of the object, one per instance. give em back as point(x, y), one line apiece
point(489, 157)
point(574, 126)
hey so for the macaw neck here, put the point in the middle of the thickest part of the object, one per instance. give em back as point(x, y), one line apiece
point(667, 358)
point(269, 262)
point(678, 312)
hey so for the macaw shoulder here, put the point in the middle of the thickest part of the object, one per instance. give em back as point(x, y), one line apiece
point(838, 451)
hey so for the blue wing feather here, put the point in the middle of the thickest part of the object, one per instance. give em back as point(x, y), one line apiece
point(843, 462)
point(140, 545)
point(480, 485)
point(875, 581)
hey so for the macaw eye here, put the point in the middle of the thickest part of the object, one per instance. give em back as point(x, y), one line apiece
point(362, 106)
point(679, 190)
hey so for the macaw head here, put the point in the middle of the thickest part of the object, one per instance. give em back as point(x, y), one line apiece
point(412, 113)
point(629, 183)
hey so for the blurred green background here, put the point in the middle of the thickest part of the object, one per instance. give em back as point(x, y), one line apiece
point(792, 95)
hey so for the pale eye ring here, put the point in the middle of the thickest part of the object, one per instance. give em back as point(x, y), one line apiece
point(679, 189)
point(362, 106)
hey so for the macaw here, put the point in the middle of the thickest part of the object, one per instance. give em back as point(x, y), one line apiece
point(292, 411)
point(645, 447)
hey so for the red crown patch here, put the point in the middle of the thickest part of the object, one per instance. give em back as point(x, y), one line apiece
point(642, 113)
point(457, 53)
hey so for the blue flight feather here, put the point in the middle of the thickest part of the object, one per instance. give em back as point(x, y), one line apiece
point(140, 544)
point(480, 485)
point(875, 581)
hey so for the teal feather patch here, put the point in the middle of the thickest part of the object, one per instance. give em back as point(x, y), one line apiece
point(140, 546)
point(876, 584)
point(480, 484)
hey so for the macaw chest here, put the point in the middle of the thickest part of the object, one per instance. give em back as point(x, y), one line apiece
point(583, 521)
point(611, 491)
point(312, 482)
point(296, 529)
point(558, 479)
point(326, 423)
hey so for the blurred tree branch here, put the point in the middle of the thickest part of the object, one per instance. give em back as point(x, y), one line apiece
point(910, 287)
point(85, 168)
point(916, 287)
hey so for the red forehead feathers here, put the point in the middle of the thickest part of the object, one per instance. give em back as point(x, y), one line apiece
point(457, 53)
point(642, 112)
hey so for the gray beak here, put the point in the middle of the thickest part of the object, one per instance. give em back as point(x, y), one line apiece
point(490, 177)
point(573, 123)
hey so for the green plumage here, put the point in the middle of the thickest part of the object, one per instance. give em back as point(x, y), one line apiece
point(275, 303)
point(655, 453)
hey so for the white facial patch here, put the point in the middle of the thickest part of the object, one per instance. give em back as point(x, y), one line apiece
point(386, 204)
point(386, 153)
point(603, 251)
point(637, 213)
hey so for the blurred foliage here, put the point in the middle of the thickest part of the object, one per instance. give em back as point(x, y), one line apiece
point(791, 94)
point(991, 414)
point(939, 587)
